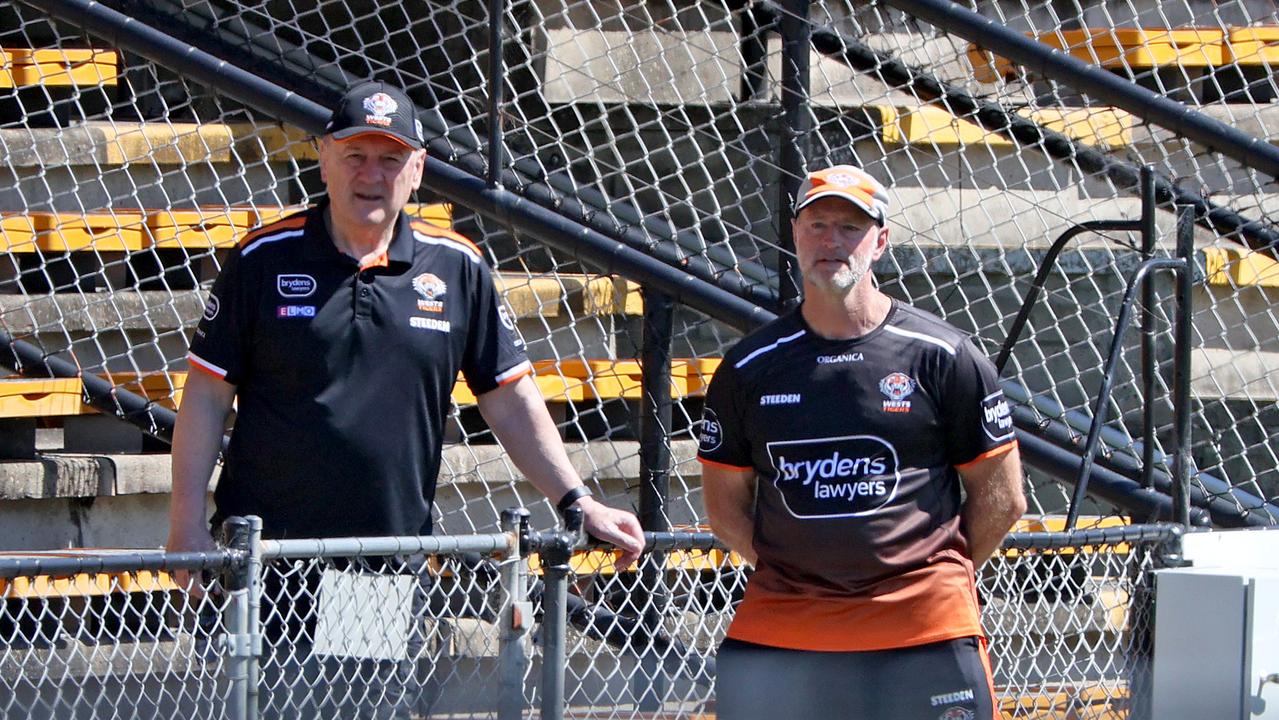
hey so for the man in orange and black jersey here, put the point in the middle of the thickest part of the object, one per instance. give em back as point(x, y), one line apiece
point(340, 332)
point(835, 444)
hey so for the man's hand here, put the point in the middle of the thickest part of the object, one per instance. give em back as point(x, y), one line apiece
point(614, 526)
point(189, 539)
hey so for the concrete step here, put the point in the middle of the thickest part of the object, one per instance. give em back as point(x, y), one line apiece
point(67, 500)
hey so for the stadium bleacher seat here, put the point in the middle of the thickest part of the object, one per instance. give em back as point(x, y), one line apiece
point(1237, 60)
point(29, 67)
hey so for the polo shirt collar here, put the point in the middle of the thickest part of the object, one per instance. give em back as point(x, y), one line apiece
point(322, 247)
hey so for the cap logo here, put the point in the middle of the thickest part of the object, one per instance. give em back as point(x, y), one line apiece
point(841, 179)
point(379, 106)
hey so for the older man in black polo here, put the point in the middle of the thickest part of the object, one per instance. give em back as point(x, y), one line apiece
point(340, 332)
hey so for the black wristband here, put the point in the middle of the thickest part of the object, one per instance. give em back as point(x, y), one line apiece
point(571, 497)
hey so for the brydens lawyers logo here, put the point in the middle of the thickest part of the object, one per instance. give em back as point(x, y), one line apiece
point(712, 435)
point(835, 477)
point(295, 286)
point(897, 387)
point(211, 307)
point(956, 713)
point(379, 106)
point(432, 289)
point(996, 417)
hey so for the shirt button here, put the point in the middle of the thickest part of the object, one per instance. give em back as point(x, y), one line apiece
point(364, 292)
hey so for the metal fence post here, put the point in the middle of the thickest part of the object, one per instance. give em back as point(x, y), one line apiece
point(649, 685)
point(243, 642)
point(797, 45)
point(516, 617)
point(1181, 365)
point(555, 568)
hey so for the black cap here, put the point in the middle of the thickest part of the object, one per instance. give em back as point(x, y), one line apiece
point(375, 107)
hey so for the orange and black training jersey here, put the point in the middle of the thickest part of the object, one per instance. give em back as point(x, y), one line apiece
point(855, 445)
point(344, 373)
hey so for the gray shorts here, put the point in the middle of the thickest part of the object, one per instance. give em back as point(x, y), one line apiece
point(947, 680)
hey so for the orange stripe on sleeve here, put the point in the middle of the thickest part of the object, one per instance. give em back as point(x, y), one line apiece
point(201, 367)
point(726, 466)
point(524, 373)
point(1001, 450)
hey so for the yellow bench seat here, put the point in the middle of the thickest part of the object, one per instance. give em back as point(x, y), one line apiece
point(28, 67)
point(200, 228)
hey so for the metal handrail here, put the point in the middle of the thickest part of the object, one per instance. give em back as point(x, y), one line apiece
point(1183, 266)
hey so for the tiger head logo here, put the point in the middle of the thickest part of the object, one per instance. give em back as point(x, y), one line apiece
point(897, 386)
point(429, 286)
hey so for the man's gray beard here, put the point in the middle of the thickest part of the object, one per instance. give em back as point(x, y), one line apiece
point(846, 278)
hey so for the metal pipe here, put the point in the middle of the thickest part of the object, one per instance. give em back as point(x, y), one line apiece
point(516, 618)
point(1220, 497)
point(1221, 510)
point(1148, 237)
point(496, 79)
point(1181, 366)
point(254, 574)
point(1102, 406)
point(1096, 82)
point(555, 570)
point(1106, 484)
point(409, 545)
point(242, 692)
point(796, 127)
point(591, 247)
point(25, 358)
point(1041, 278)
point(649, 684)
point(655, 411)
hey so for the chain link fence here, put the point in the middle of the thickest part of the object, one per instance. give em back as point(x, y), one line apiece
point(669, 125)
point(112, 634)
point(464, 626)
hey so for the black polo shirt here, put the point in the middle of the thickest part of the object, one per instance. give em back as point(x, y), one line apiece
point(344, 375)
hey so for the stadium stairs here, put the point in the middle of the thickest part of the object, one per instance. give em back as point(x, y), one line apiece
point(73, 478)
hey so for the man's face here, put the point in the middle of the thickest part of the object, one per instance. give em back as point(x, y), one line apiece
point(369, 177)
point(835, 243)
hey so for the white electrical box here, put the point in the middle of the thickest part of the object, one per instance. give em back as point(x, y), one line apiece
point(1217, 630)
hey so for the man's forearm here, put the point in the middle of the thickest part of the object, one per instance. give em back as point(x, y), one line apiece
point(994, 503)
point(518, 417)
point(729, 497)
point(197, 439)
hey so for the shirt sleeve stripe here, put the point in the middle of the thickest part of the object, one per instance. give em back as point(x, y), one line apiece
point(1001, 450)
point(466, 249)
point(767, 348)
point(273, 237)
point(515, 373)
point(203, 365)
point(726, 466)
point(289, 223)
point(920, 336)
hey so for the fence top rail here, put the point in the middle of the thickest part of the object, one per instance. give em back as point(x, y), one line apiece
point(495, 543)
point(1140, 534)
point(65, 563)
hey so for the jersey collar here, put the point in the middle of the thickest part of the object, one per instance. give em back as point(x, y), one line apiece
point(322, 247)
